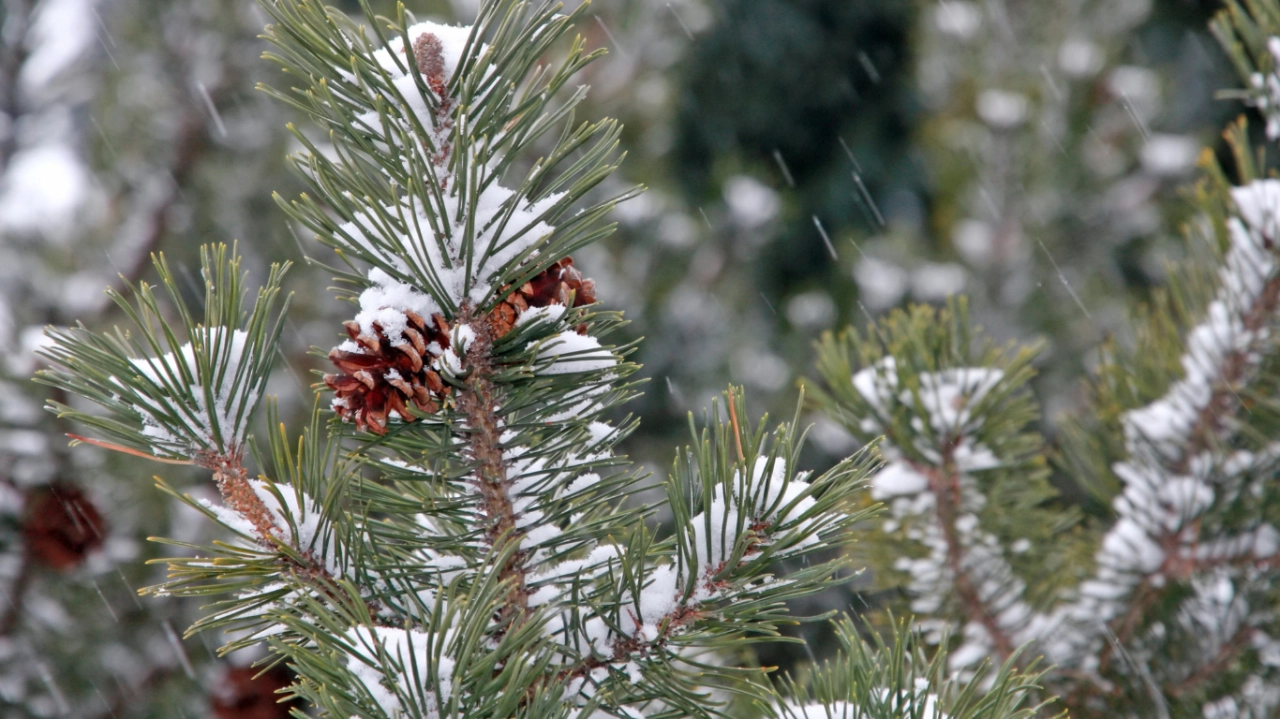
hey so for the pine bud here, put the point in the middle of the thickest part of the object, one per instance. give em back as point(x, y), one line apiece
point(428, 54)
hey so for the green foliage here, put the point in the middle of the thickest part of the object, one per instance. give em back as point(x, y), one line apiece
point(480, 554)
point(388, 177)
point(1177, 442)
point(885, 383)
point(880, 678)
point(175, 393)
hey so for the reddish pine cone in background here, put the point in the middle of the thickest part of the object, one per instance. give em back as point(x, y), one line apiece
point(61, 527)
point(243, 694)
point(381, 378)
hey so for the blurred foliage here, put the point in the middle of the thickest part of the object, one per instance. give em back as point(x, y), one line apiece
point(759, 126)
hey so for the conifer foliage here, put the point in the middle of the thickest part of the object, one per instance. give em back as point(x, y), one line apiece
point(458, 538)
point(1164, 606)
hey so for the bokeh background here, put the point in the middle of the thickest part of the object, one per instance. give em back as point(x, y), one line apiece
point(809, 164)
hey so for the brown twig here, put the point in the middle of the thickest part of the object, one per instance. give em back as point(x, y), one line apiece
point(944, 482)
point(737, 432)
point(478, 403)
point(112, 446)
point(238, 494)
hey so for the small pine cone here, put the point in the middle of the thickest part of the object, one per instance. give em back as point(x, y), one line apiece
point(428, 54)
point(557, 284)
point(378, 378)
point(62, 526)
point(243, 694)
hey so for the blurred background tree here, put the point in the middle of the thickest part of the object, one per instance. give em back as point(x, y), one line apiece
point(811, 163)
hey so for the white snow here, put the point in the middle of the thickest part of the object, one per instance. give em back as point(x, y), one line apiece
point(300, 516)
point(881, 284)
point(177, 375)
point(572, 352)
point(772, 501)
point(1170, 155)
point(949, 396)
point(550, 314)
point(1167, 486)
point(917, 703)
point(397, 63)
point(936, 281)
point(1266, 91)
point(410, 665)
point(897, 479)
point(453, 40)
point(42, 188)
point(413, 249)
point(946, 425)
point(878, 383)
point(1002, 109)
point(957, 18)
point(814, 309)
point(507, 228)
point(1080, 58)
point(61, 32)
point(385, 302)
point(751, 202)
point(975, 241)
point(714, 534)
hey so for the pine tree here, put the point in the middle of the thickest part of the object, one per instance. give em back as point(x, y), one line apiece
point(1164, 605)
point(452, 534)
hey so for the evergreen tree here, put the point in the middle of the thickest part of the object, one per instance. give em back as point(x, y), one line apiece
point(458, 539)
point(1165, 607)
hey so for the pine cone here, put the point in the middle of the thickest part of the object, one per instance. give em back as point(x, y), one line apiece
point(245, 695)
point(553, 285)
point(62, 526)
point(378, 378)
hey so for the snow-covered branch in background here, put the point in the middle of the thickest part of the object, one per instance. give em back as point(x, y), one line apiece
point(1264, 89)
point(935, 499)
point(1187, 469)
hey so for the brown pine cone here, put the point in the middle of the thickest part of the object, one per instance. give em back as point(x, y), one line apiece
point(245, 695)
point(554, 285)
point(62, 526)
point(379, 378)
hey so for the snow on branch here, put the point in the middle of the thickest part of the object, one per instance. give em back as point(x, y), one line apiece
point(396, 666)
point(932, 493)
point(1182, 471)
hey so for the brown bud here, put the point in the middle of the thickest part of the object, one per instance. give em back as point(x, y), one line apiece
point(428, 53)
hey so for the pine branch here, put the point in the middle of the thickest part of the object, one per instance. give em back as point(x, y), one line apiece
point(1215, 665)
point(460, 539)
point(478, 402)
point(944, 483)
point(964, 479)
